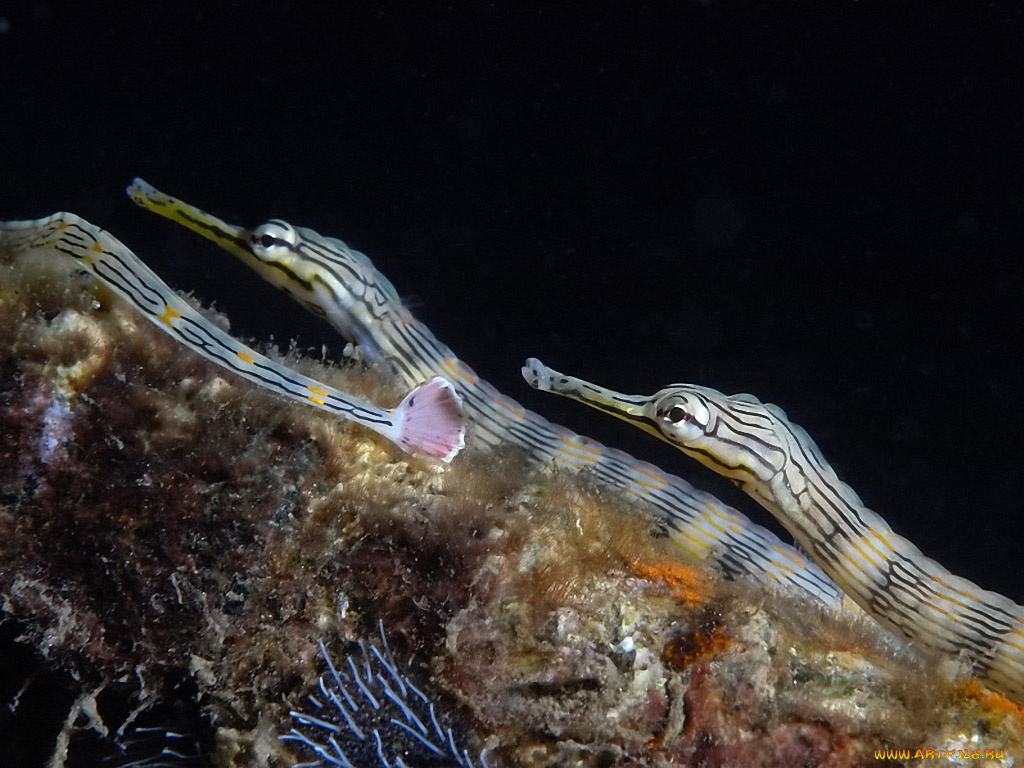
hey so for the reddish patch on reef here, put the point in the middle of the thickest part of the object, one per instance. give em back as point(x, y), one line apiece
point(708, 639)
point(717, 734)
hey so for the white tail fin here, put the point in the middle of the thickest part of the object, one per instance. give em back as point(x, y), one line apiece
point(429, 420)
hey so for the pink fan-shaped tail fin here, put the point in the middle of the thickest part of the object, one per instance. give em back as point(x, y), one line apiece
point(429, 420)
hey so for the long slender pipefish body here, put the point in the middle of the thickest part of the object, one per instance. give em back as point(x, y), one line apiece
point(427, 421)
point(342, 285)
point(775, 461)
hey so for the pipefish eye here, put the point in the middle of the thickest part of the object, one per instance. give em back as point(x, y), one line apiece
point(273, 234)
point(681, 418)
point(675, 414)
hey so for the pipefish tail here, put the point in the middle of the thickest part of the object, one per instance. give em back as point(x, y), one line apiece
point(776, 462)
point(428, 420)
point(342, 285)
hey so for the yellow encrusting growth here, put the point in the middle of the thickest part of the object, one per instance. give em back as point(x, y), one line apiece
point(685, 582)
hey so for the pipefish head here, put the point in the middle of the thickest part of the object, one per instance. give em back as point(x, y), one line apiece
point(735, 435)
point(327, 277)
point(272, 249)
point(682, 416)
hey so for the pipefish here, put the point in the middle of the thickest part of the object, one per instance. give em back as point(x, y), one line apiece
point(342, 285)
point(776, 462)
point(428, 420)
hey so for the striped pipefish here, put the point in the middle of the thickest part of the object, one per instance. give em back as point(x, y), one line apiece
point(428, 420)
point(342, 285)
point(777, 462)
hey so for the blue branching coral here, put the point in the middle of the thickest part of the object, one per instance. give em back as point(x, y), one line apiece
point(148, 747)
point(370, 712)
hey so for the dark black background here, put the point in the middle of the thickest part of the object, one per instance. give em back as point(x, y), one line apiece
point(818, 203)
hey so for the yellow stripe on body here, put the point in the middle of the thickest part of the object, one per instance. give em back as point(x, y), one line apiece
point(168, 316)
point(509, 405)
point(455, 368)
point(659, 482)
point(317, 396)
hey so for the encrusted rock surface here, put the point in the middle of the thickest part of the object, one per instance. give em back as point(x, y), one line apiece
point(174, 540)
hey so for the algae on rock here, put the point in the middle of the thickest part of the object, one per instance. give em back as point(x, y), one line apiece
point(173, 536)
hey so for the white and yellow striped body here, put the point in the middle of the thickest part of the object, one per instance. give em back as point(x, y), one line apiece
point(777, 463)
point(432, 426)
point(342, 285)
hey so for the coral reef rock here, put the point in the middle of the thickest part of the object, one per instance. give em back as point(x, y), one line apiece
point(176, 545)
